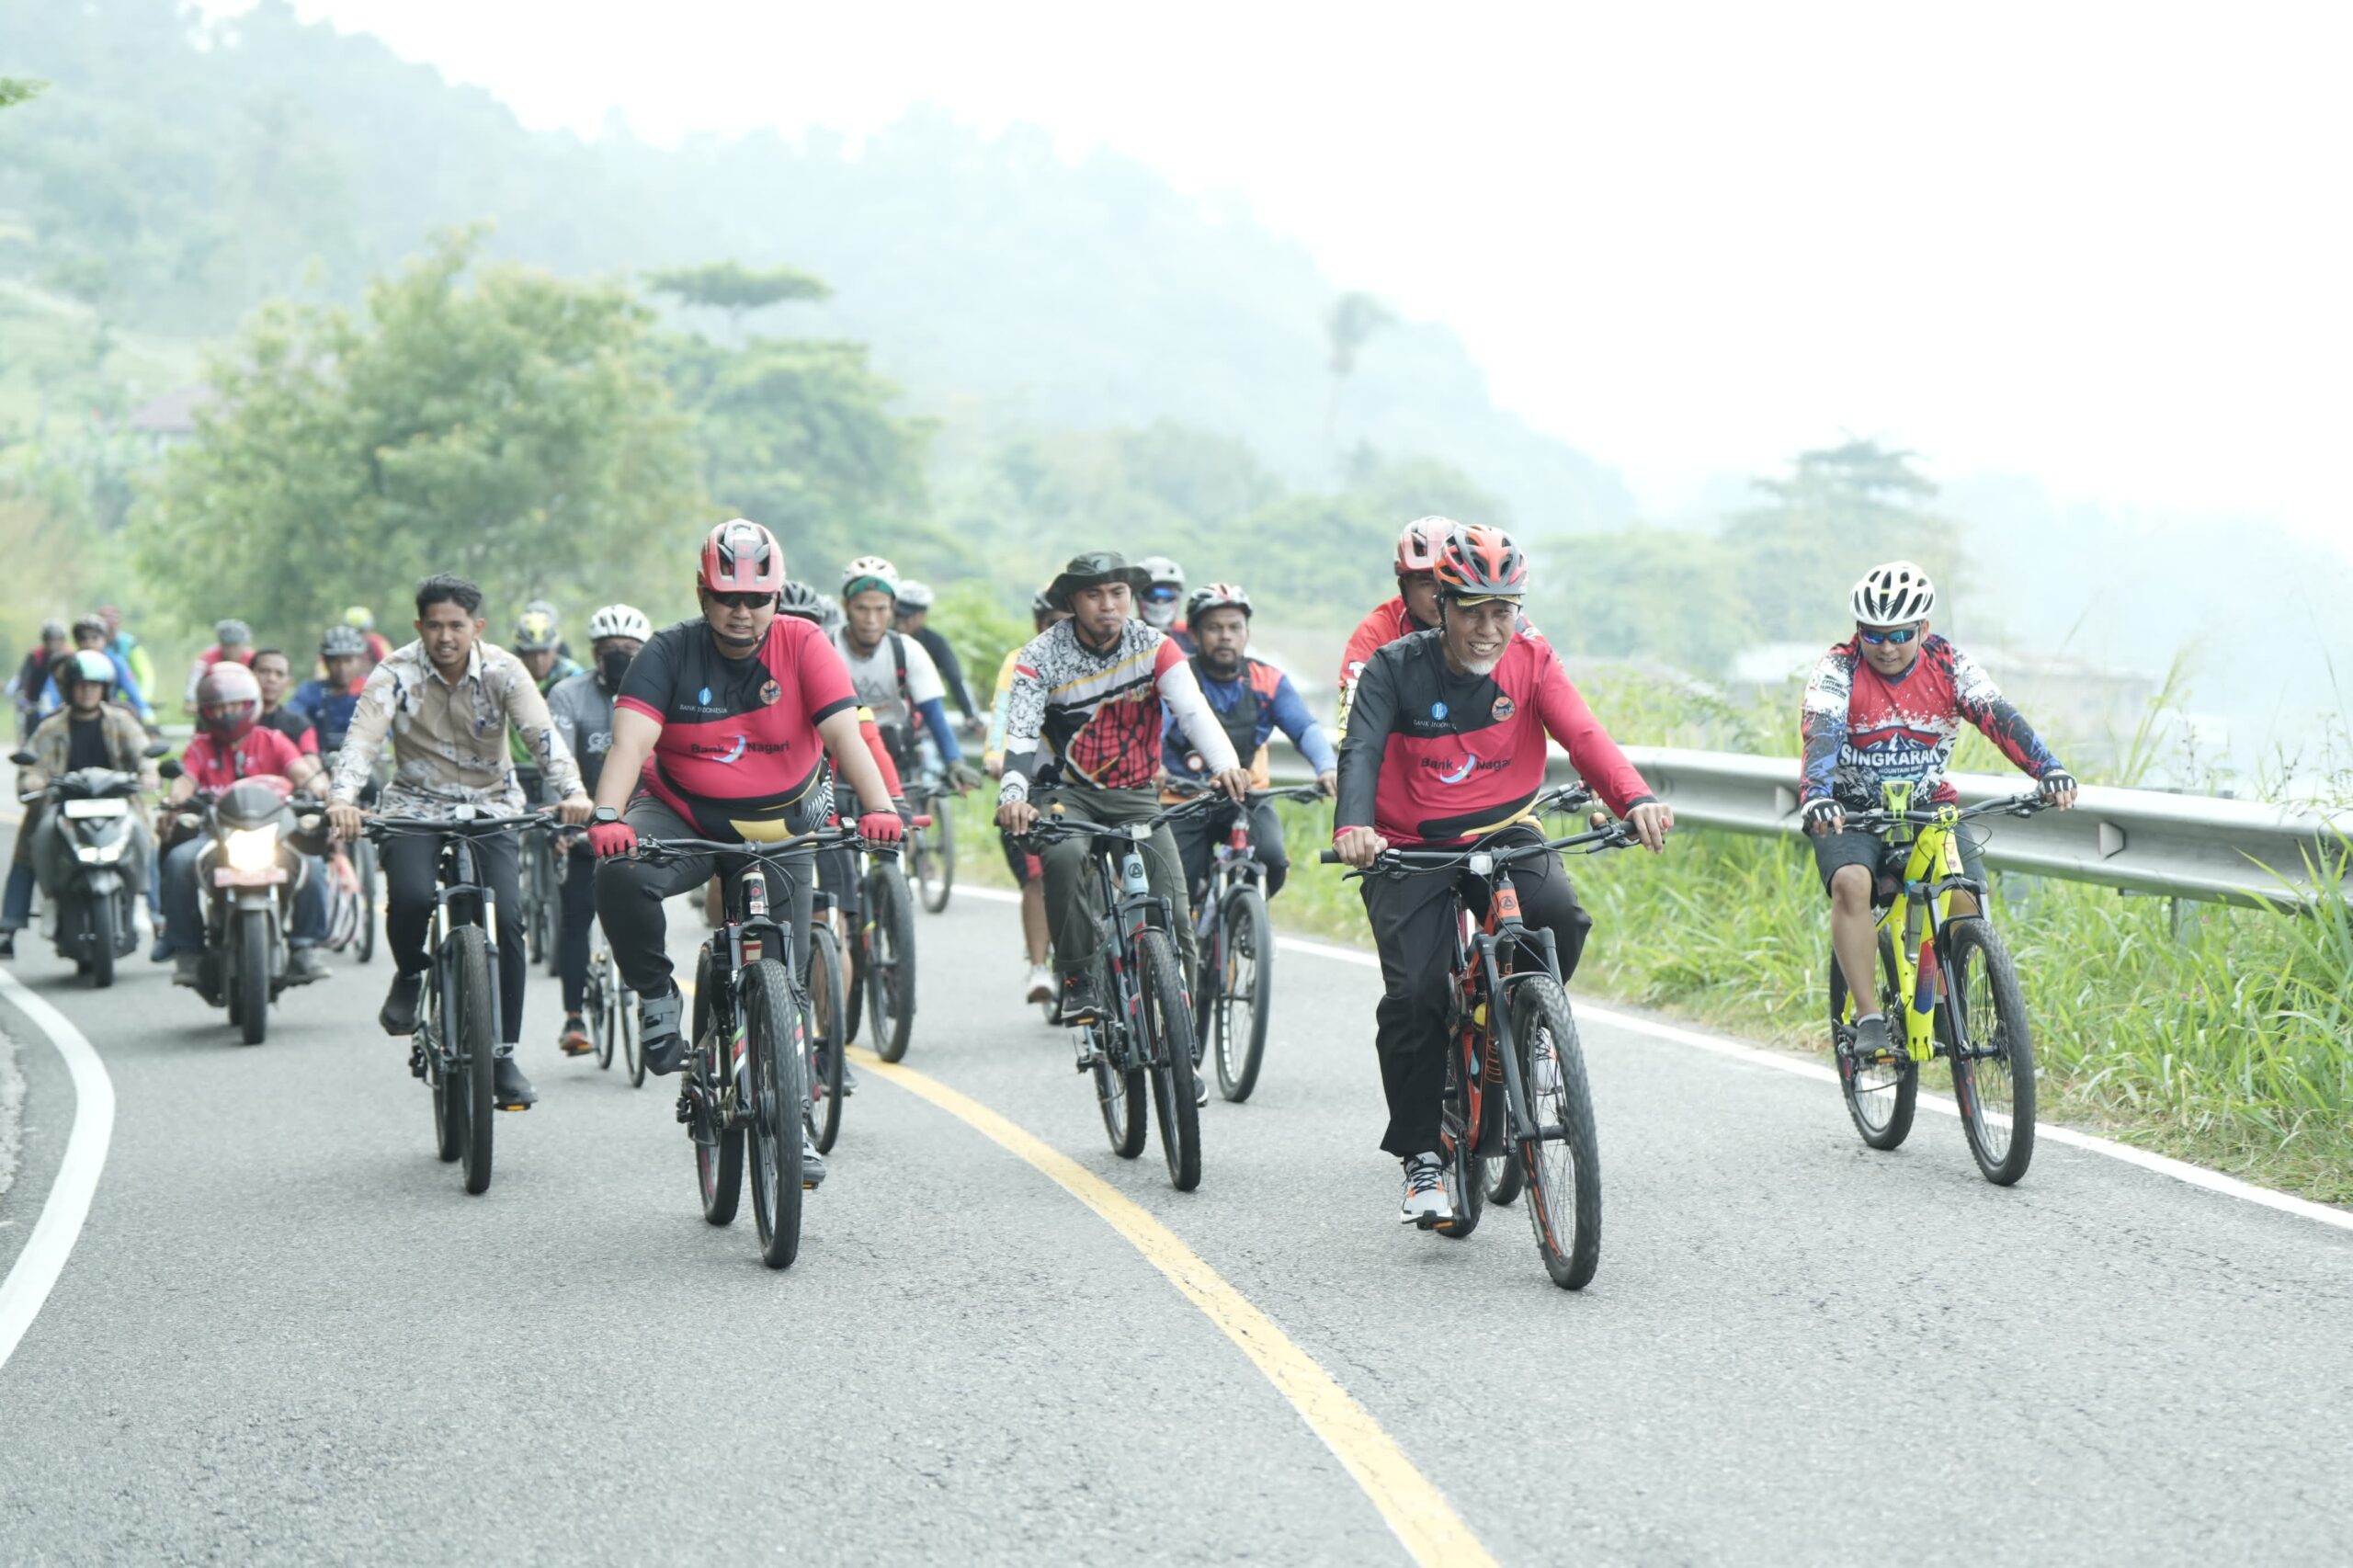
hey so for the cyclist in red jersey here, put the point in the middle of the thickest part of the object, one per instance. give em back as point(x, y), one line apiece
point(1446, 744)
point(721, 730)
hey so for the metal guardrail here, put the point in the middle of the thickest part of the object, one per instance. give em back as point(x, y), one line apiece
point(2145, 841)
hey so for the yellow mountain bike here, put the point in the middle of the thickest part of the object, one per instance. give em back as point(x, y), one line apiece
point(1950, 983)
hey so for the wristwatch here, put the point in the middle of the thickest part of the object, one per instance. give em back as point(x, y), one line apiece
point(605, 814)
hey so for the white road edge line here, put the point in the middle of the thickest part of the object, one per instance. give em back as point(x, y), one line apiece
point(43, 1259)
point(2179, 1170)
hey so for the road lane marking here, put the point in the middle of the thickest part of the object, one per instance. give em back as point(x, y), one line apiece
point(60, 1226)
point(1424, 1522)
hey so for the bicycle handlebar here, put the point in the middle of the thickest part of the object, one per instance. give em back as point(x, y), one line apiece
point(792, 849)
point(1193, 789)
point(381, 827)
point(1408, 862)
point(2022, 805)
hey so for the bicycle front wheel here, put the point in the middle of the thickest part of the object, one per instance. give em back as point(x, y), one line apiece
point(1562, 1165)
point(467, 1019)
point(890, 960)
point(1242, 983)
point(1167, 1026)
point(363, 859)
point(601, 1020)
point(935, 858)
point(822, 983)
point(1882, 1094)
point(776, 1050)
point(1992, 1051)
point(718, 1147)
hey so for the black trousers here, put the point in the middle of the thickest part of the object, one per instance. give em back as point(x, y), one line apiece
point(1409, 926)
point(409, 862)
point(579, 919)
point(630, 895)
point(1198, 836)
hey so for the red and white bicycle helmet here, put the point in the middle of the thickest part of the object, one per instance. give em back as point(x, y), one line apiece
point(228, 701)
point(741, 557)
point(1417, 546)
point(1216, 596)
point(1478, 561)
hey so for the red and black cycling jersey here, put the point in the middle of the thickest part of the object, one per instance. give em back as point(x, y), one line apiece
point(739, 748)
point(1862, 728)
point(1435, 758)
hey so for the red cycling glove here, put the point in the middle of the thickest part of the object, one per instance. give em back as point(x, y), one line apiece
point(882, 827)
point(612, 838)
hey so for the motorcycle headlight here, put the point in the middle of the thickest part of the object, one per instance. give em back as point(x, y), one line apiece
point(105, 854)
point(251, 849)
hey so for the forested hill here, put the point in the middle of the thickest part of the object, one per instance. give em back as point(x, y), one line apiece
point(179, 173)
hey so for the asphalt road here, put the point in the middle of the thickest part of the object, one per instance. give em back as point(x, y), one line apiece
point(287, 1335)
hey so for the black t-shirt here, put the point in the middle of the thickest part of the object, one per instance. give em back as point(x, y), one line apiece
point(86, 744)
point(293, 726)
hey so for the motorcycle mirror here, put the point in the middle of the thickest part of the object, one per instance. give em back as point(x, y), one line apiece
point(168, 769)
point(157, 748)
point(22, 758)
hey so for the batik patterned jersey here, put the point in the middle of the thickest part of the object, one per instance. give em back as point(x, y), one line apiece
point(1100, 714)
point(1861, 728)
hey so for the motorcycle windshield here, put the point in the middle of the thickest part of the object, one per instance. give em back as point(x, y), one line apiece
point(253, 803)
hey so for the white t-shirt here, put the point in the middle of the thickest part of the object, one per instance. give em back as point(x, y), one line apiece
point(875, 678)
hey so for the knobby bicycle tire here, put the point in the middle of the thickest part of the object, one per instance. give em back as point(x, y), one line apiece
point(1167, 1025)
point(1244, 986)
point(364, 853)
point(1118, 1089)
point(891, 959)
point(474, 1033)
point(603, 1017)
point(935, 862)
point(1564, 1172)
point(777, 1064)
point(1881, 1111)
point(719, 1151)
point(1457, 1140)
point(822, 984)
point(1983, 994)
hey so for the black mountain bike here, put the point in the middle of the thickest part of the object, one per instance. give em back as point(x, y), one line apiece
point(1235, 984)
point(538, 880)
point(748, 1070)
point(1147, 1027)
point(456, 1020)
point(931, 843)
point(1509, 1029)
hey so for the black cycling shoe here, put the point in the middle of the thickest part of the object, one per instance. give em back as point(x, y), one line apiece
point(509, 1089)
point(1079, 1004)
point(399, 1015)
point(657, 1031)
point(1871, 1038)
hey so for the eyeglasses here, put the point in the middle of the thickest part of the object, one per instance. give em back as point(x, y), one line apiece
point(743, 601)
point(1898, 635)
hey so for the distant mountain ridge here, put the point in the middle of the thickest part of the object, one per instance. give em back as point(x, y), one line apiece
point(183, 171)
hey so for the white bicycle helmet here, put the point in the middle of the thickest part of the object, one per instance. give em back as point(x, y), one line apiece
point(913, 594)
point(867, 574)
point(620, 621)
point(1164, 591)
point(1894, 594)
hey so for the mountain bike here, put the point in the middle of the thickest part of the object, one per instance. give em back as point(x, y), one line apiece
point(748, 1070)
point(456, 1020)
point(931, 843)
point(883, 951)
point(1146, 1030)
point(1234, 985)
point(1514, 1082)
point(361, 853)
point(610, 1008)
point(1950, 982)
point(821, 977)
point(537, 880)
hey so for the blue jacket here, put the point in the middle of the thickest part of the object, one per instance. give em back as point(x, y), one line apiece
point(1251, 705)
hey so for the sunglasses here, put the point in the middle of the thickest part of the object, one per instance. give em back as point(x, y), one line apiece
point(1899, 636)
point(743, 601)
point(1163, 595)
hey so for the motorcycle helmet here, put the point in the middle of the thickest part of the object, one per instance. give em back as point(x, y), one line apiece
point(87, 665)
point(228, 701)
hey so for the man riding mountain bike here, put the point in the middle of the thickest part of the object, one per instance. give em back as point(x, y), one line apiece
point(1093, 694)
point(327, 701)
point(1416, 608)
point(892, 673)
point(915, 617)
point(537, 645)
point(446, 701)
point(582, 708)
point(737, 711)
point(1251, 699)
point(232, 743)
point(1886, 704)
point(1446, 743)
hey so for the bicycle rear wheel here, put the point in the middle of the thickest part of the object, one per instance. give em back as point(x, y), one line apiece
point(1992, 1051)
point(363, 860)
point(719, 1147)
point(822, 983)
point(469, 1022)
point(599, 999)
point(890, 960)
point(778, 1062)
point(625, 1022)
point(1118, 1089)
point(1243, 984)
point(1167, 1025)
point(1880, 1095)
point(935, 858)
point(1562, 1167)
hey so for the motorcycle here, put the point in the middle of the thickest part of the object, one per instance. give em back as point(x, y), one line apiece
point(248, 874)
point(88, 916)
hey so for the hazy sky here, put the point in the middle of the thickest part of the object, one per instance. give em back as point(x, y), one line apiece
point(2106, 244)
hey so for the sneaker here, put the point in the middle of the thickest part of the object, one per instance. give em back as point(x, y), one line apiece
point(8, 944)
point(303, 965)
point(1079, 1003)
point(1425, 1203)
point(161, 951)
point(657, 1031)
point(575, 1040)
point(186, 969)
point(813, 1168)
point(399, 1014)
point(509, 1089)
point(1871, 1038)
point(1042, 984)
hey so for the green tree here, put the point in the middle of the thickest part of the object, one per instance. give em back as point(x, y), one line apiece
point(1837, 512)
point(512, 429)
point(736, 290)
point(14, 90)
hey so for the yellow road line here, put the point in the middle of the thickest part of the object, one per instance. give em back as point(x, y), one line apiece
point(1419, 1514)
